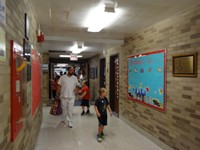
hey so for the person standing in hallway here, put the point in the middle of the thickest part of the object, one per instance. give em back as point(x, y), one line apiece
point(82, 76)
point(67, 87)
point(85, 97)
point(55, 85)
point(101, 106)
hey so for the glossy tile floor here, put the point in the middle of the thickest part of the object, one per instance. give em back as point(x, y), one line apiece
point(54, 135)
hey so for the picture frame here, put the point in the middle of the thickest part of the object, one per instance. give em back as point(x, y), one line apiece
point(27, 50)
point(26, 31)
point(96, 72)
point(184, 65)
point(92, 73)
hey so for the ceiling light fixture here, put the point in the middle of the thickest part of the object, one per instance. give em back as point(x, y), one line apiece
point(77, 48)
point(68, 56)
point(102, 16)
point(110, 7)
point(61, 65)
point(80, 45)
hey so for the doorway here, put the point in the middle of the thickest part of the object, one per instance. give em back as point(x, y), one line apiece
point(56, 66)
point(102, 74)
point(114, 84)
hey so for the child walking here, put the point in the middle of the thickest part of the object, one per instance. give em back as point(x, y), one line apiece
point(101, 105)
point(85, 96)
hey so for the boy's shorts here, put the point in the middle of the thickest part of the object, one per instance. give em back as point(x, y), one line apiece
point(85, 102)
point(102, 120)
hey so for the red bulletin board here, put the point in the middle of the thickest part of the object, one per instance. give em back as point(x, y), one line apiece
point(18, 65)
point(36, 81)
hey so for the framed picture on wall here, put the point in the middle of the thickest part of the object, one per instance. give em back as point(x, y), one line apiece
point(26, 20)
point(185, 65)
point(26, 50)
point(92, 73)
point(96, 72)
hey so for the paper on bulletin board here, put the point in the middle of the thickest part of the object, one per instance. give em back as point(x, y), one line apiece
point(146, 79)
point(2, 45)
point(2, 12)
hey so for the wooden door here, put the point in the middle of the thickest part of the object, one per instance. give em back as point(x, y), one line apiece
point(114, 83)
point(102, 73)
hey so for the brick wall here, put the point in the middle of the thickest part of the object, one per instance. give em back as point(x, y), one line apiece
point(179, 126)
point(15, 10)
point(94, 83)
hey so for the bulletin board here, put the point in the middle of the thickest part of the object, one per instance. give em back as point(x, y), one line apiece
point(2, 42)
point(18, 65)
point(146, 79)
point(36, 81)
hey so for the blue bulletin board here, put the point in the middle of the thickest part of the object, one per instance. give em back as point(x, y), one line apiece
point(146, 79)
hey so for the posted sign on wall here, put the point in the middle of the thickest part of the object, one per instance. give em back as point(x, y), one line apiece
point(146, 79)
point(3, 12)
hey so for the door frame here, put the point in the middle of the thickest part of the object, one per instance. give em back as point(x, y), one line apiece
point(102, 71)
point(112, 86)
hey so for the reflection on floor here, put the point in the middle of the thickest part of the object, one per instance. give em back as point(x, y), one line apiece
point(54, 135)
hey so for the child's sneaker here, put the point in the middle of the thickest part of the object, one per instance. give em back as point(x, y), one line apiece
point(83, 113)
point(88, 111)
point(102, 135)
point(99, 138)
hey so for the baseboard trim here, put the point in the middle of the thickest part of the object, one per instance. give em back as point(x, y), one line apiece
point(147, 135)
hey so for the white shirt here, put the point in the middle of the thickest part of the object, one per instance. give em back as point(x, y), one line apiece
point(81, 77)
point(68, 84)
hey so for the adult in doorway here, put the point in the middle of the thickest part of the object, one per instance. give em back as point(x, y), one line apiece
point(67, 88)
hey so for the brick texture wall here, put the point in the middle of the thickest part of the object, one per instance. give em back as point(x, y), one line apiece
point(15, 10)
point(94, 83)
point(179, 126)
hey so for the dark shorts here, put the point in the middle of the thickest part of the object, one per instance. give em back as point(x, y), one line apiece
point(103, 120)
point(85, 102)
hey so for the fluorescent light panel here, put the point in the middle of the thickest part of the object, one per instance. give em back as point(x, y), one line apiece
point(68, 56)
point(98, 19)
point(61, 65)
point(77, 48)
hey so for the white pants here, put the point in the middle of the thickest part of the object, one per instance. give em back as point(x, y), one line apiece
point(67, 105)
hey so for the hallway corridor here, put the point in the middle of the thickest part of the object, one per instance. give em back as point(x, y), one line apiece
point(118, 135)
